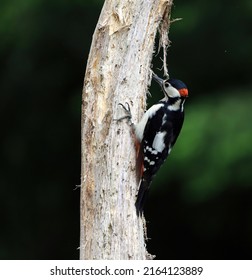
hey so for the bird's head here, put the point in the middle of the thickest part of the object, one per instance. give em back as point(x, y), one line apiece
point(172, 88)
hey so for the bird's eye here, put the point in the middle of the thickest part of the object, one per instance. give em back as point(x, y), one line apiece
point(166, 84)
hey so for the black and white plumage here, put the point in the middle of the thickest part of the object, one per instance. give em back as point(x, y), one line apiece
point(157, 132)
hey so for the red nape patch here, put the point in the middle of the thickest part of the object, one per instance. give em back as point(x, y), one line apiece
point(183, 92)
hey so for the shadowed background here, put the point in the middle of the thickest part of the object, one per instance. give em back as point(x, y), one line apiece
point(200, 202)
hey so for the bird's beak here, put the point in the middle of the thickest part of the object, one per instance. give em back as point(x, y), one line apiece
point(157, 79)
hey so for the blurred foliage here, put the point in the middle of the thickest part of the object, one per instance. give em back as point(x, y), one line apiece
point(217, 139)
point(200, 201)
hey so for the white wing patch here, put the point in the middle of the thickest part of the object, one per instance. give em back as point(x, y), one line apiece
point(158, 142)
point(139, 128)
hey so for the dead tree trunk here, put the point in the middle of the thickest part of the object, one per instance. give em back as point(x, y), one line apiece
point(118, 70)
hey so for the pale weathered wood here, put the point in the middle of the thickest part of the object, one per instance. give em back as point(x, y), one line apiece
point(118, 70)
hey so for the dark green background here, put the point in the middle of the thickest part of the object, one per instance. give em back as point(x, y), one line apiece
point(200, 202)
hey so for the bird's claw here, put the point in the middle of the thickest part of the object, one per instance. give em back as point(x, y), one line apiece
point(128, 115)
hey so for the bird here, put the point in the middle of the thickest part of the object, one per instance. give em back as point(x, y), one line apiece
point(156, 133)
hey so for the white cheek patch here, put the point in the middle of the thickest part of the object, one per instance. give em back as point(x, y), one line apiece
point(172, 92)
point(158, 142)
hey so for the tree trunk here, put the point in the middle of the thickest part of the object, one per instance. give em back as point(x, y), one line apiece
point(118, 70)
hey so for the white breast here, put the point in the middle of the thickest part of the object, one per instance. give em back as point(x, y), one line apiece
point(176, 106)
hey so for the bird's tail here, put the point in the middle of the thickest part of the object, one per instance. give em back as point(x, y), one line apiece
point(142, 195)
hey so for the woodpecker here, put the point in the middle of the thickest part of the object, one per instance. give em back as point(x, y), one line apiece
point(157, 132)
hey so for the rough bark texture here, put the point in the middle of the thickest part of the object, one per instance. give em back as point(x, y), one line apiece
point(118, 70)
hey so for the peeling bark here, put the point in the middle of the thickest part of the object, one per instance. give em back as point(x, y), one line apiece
point(118, 70)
